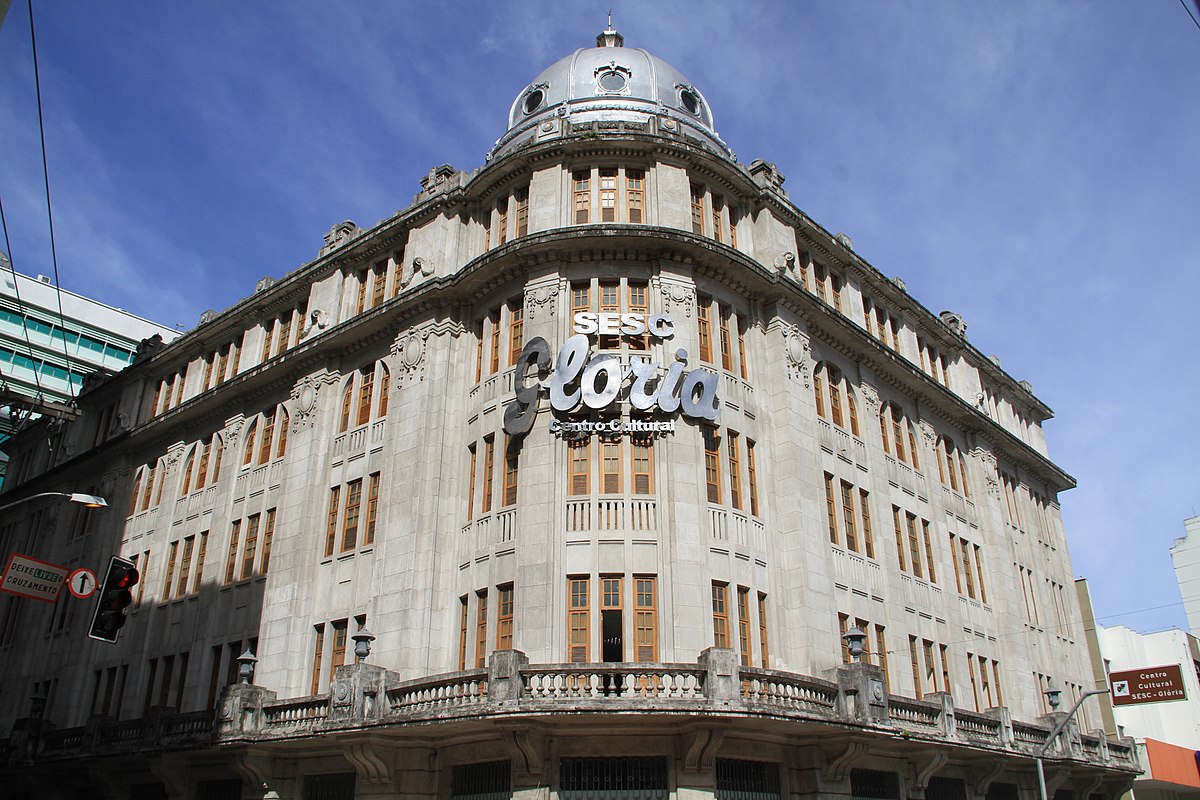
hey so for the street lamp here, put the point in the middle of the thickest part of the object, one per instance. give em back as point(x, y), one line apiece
point(87, 500)
point(1053, 695)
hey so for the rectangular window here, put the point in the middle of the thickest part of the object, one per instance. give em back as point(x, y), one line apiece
point(916, 667)
point(645, 618)
point(697, 210)
point(848, 516)
point(865, 510)
point(185, 566)
point(743, 604)
point(762, 631)
point(717, 202)
point(712, 464)
point(268, 536)
point(502, 220)
point(704, 327)
point(735, 472)
point(504, 618)
point(516, 330)
point(578, 620)
point(318, 649)
point(720, 609)
point(723, 314)
point(583, 196)
point(366, 389)
point(944, 652)
point(610, 467)
point(608, 195)
point(512, 454)
point(251, 548)
point(752, 476)
point(481, 614)
point(914, 545)
point(494, 341)
point(929, 560)
point(522, 198)
point(979, 574)
point(338, 656)
point(232, 555)
point(741, 345)
point(610, 303)
point(643, 465)
point(378, 283)
point(489, 469)
point(635, 195)
point(372, 511)
point(463, 622)
point(201, 554)
point(331, 520)
point(471, 484)
point(578, 460)
point(881, 649)
point(899, 537)
point(831, 509)
point(171, 554)
point(351, 515)
point(638, 304)
point(285, 332)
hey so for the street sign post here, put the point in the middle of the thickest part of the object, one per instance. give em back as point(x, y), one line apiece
point(33, 578)
point(1148, 685)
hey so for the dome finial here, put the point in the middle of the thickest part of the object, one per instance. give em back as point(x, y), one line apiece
point(610, 38)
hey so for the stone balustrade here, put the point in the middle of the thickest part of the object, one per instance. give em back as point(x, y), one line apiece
point(716, 684)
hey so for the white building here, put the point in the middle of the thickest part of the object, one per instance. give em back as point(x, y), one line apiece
point(45, 355)
point(1185, 553)
point(640, 592)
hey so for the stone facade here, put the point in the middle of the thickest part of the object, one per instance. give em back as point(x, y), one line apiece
point(550, 611)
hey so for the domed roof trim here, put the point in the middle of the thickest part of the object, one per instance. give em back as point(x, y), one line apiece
point(610, 82)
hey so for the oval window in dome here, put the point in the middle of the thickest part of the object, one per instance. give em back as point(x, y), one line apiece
point(689, 101)
point(612, 81)
point(533, 101)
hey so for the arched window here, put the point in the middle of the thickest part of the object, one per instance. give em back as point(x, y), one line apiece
point(202, 469)
point(829, 384)
point(248, 443)
point(188, 465)
point(284, 423)
point(385, 384)
point(366, 390)
point(268, 434)
point(952, 467)
point(899, 438)
point(347, 398)
point(137, 491)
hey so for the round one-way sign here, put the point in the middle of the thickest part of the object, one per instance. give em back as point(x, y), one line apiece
point(82, 583)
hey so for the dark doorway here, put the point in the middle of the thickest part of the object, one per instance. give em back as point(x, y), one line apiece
point(612, 645)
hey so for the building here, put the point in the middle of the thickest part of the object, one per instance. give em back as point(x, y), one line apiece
point(1185, 554)
point(1165, 724)
point(45, 354)
point(600, 471)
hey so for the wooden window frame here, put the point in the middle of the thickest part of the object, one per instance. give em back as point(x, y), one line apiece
point(720, 614)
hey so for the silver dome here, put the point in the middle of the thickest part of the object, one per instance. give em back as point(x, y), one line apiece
point(610, 82)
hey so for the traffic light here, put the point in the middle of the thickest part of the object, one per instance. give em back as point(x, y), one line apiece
point(115, 597)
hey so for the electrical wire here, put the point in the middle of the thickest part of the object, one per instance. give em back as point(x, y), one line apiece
point(49, 213)
point(21, 306)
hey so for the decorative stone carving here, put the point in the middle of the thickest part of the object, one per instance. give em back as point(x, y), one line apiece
point(785, 264)
point(339, 235)
point(304, 398)
point(417, 267)
point(208, 315)
point(120, 424)
point(233, 429)
point(409, 352)
point(148, 347)
point(955, 323)
point(544, 296)
point(766, 174)
point(437, 178)
point(929, 433)
point(675, 295)
point(871, 398)
point(317, 319)
point(263, 284)
point(1026, 385)
point(798, 351)
point(900, 283)
point(989, 470)
point(844, 240)
point(174, 452)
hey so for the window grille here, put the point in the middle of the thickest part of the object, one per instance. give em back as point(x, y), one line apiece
point(747, 780)
point(869, 784)
point(230, 789)
point(1002, 791)
point(946, 789)
point(487, 781)
point(334, 786)
point(613, 779)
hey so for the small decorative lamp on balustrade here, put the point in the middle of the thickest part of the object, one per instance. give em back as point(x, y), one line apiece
point(246, 662)
point(1053, 696)
point(362, 644)
point(855, 638)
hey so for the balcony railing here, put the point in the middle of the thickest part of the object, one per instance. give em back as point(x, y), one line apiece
point(716, 685)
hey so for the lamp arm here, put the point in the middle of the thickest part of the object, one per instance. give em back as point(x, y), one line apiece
point(1062, 723)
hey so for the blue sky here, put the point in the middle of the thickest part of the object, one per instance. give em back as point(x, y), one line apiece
point(1033, 165)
